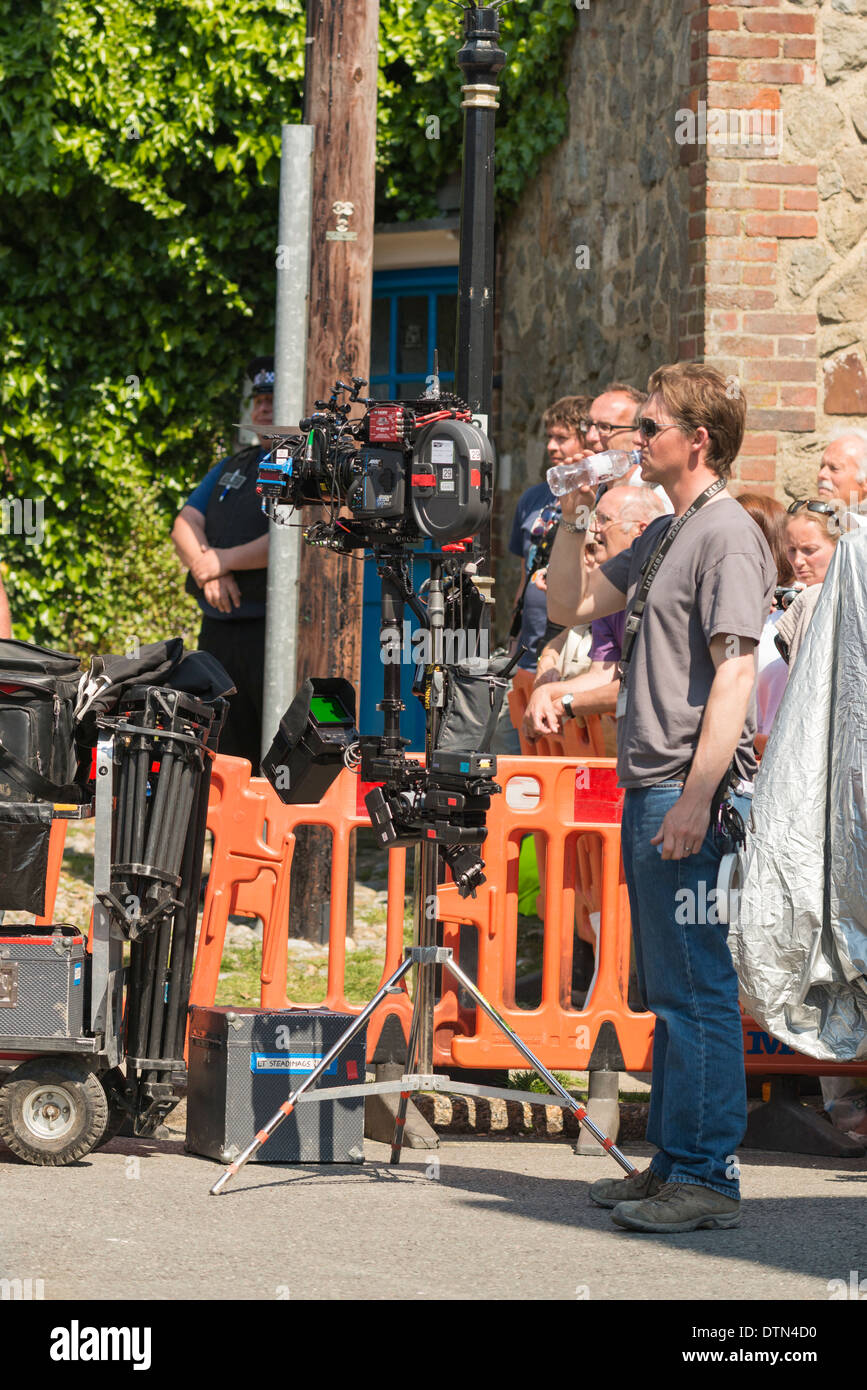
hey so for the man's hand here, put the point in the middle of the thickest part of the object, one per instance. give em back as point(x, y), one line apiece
point(544, 711)
point(540, 579)
point(207, 565)
point(683, 830)
point(222, 593)
point(576, 506)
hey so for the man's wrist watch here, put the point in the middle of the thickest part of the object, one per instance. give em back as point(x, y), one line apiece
point(573, 528)
point(566, 702)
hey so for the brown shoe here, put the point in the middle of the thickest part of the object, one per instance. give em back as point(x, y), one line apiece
point(609, 1192)
point(679, 1206)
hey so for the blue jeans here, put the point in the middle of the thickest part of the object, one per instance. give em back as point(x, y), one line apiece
point(698, 1102)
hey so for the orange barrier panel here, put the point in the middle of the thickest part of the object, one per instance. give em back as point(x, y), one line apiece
point(593, 736)
point(56, 842)
point(254, 841)
point(575, 801)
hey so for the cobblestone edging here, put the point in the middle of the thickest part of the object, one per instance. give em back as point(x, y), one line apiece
point(501, 1118)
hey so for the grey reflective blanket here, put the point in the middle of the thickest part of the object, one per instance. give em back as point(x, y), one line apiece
point(800, 939)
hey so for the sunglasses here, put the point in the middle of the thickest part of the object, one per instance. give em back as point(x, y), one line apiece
point(603, 426)
point(649, 429)
point(824, 508)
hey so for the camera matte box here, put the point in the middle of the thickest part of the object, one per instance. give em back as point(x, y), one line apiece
point(41, 983)
point(243, 1064)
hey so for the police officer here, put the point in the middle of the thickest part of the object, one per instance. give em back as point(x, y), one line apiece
point(221, 536)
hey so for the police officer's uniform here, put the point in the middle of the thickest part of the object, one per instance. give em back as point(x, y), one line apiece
point(233, 514)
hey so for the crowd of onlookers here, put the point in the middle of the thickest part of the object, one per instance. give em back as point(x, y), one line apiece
point(583, 662)
point(576, 667)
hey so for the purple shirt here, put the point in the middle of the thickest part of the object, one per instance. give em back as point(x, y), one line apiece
point(607, 637)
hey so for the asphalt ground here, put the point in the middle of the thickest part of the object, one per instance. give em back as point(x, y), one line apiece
point(478, 1219)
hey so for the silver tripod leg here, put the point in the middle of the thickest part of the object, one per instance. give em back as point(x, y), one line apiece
point(289, 1105)
point(575, 1106)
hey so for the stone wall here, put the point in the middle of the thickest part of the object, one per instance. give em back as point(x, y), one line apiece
point(594, 260)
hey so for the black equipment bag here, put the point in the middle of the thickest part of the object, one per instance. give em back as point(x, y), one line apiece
point(475, 690)
point(38, 689)
point(110, 677)
point(24, 836)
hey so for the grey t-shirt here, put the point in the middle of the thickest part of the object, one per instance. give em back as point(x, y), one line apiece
point(718, 577)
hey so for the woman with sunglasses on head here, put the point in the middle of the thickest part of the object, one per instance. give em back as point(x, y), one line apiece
point(813, 528)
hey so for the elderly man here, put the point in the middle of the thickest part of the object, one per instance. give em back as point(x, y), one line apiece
point(697, 588)
point(621, 515)
point(843, 471)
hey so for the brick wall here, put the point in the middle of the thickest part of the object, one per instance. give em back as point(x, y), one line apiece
point(775, 222)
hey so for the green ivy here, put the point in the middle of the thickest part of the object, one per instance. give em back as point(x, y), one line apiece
point(139, 178)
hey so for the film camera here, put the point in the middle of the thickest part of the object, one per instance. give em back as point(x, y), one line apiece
point(405, 472)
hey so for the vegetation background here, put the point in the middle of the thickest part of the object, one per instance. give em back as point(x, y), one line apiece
point(139, 169)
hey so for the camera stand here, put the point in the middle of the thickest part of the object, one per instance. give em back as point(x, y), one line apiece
point(422, 1078)
point(461, 834)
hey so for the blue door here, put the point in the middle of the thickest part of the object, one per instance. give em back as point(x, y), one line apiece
point(414, 312)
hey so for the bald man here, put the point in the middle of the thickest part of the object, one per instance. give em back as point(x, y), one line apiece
point(621, 514)
point(843, 471)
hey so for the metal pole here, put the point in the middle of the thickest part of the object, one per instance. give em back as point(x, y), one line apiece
point(290, 369)
point(480, 60)
point(575, 1106)
point(289, 1105)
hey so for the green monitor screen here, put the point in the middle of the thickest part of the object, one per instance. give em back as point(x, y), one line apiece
point(327, 709)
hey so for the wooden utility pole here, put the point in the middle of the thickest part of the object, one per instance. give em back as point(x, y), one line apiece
point(340, 103)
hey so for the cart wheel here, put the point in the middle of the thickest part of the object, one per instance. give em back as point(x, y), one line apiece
point(113, 1083)
point(52, 1111)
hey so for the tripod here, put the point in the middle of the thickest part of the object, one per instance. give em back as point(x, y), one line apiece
point(425, 955)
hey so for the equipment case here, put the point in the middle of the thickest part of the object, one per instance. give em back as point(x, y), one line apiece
point(42, 983)
point(243, 1064)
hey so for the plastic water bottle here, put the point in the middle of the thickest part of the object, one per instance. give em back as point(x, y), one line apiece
point(590, 472)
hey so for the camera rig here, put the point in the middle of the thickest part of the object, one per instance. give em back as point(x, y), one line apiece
point(404, 473)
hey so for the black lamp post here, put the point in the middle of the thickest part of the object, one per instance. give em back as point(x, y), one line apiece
point(481, 60)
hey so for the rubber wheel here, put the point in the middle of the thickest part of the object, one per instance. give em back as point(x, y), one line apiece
point(52, 1111)
point(112, 1082)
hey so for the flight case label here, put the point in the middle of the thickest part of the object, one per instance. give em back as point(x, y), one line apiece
point(279, 1061)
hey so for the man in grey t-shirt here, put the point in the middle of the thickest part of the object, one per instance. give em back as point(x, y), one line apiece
point(687, 715)
point(717, 579)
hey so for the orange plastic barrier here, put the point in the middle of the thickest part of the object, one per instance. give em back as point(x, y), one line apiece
point(576, 812)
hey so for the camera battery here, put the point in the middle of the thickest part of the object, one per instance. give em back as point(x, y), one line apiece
point(41, 983)
point(243, 1064)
